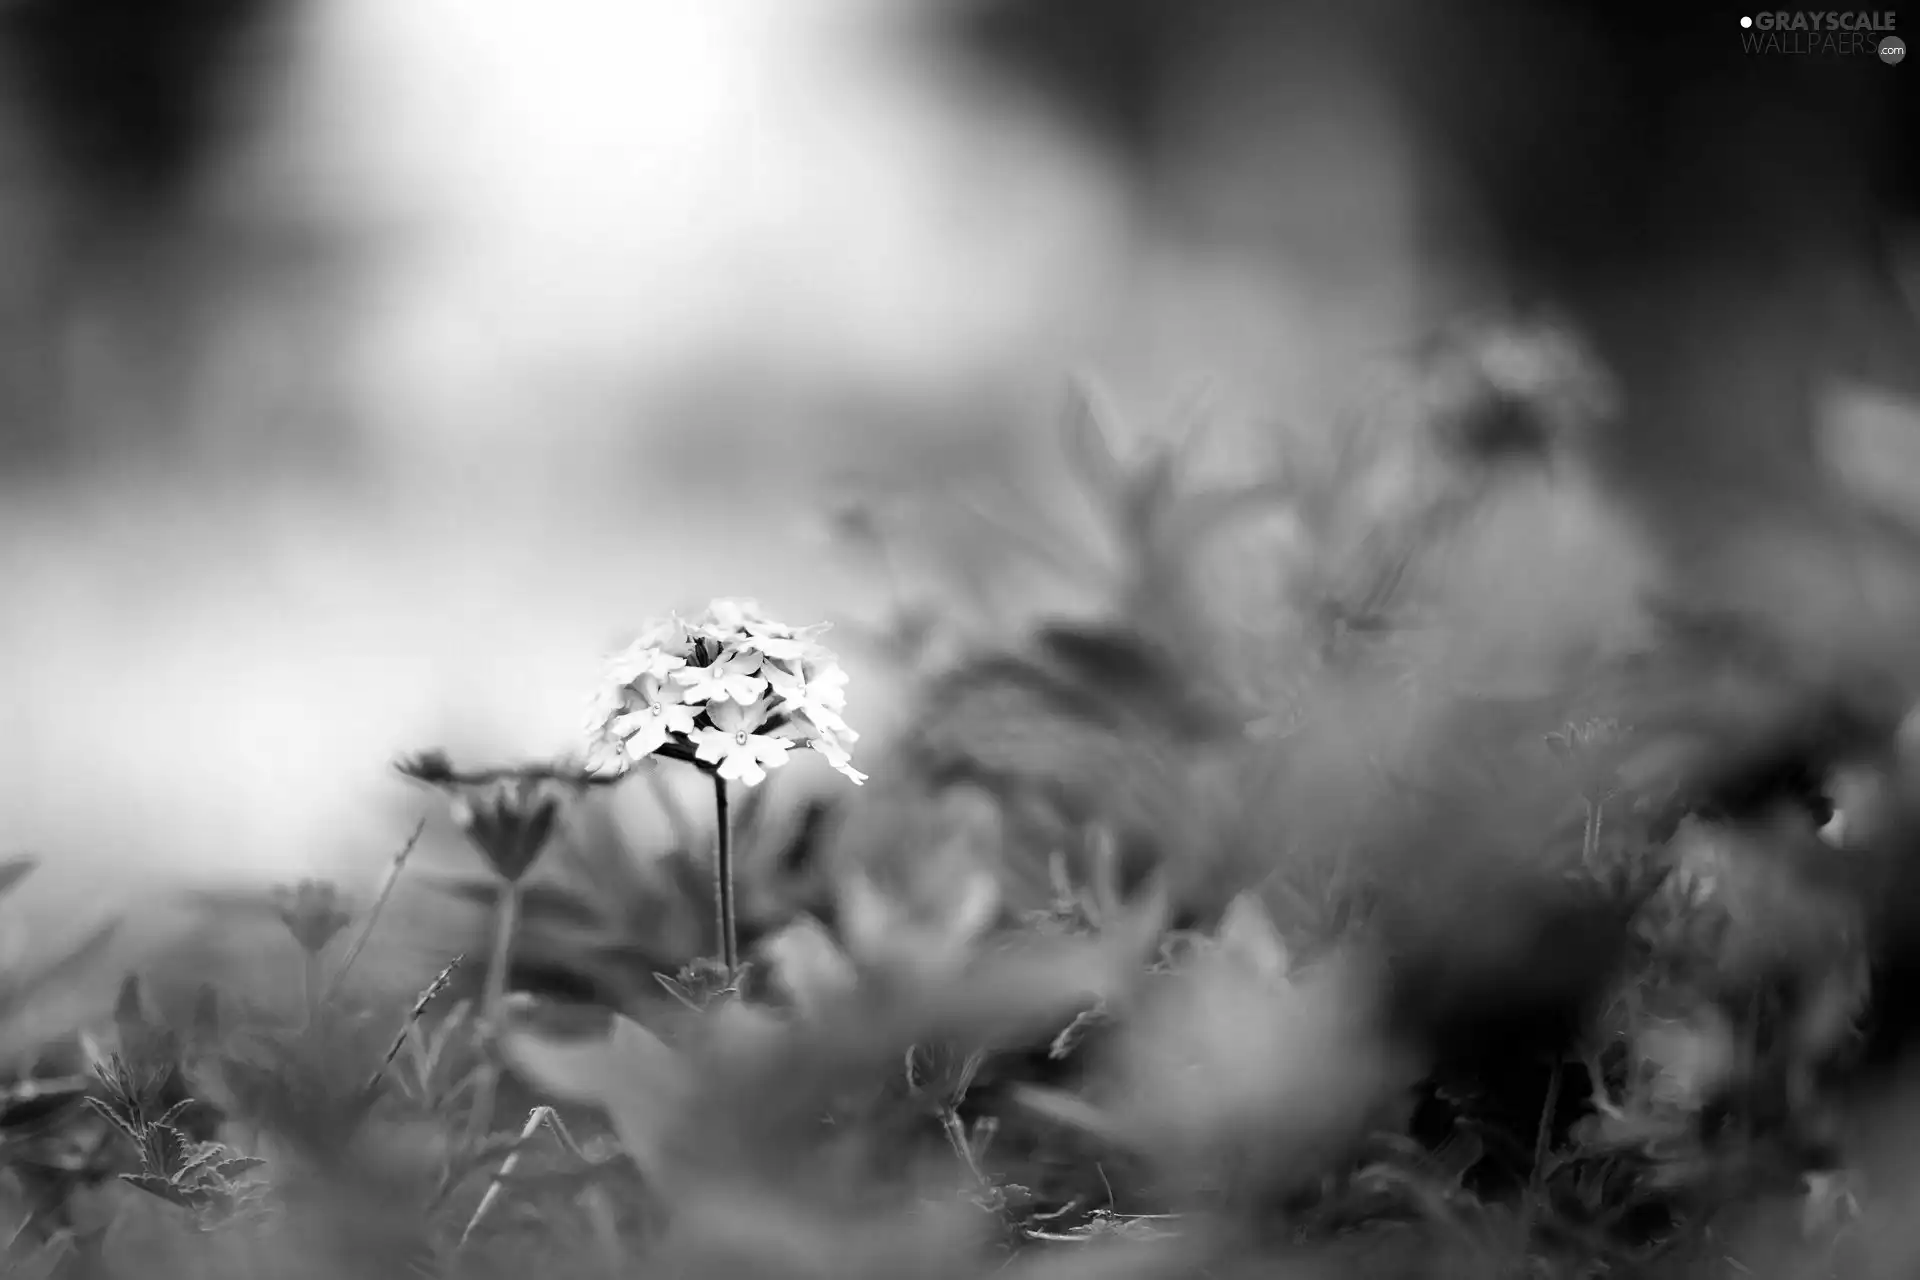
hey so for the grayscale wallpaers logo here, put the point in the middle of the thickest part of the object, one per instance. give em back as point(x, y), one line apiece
point(1825, 32)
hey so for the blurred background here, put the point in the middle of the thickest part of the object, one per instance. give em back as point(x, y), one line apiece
point(367, 369)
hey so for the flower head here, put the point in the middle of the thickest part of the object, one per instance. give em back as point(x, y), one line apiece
point(312, 912)
point(508, 813)
point(509, 822)
point(733, 687)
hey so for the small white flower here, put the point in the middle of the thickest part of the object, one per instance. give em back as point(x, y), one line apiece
point(639, 660)
point(669, 634)
point(726, 618)
point(829, 745)
point(736, 744)
point(664, 710)
point(783, 643)
point(814, 688)
point(731, 676)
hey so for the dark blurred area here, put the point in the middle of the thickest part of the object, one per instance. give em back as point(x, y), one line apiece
point(1737, 233)
point(134, 100)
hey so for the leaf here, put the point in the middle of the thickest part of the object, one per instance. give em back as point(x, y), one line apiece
point(16, 869)
point(1088, 443)
point(1067, 1109)
point(810, 965)
point(61, 973)
point(629, 1073)
point(1068, 1041)
point(154, 1185)
point(233, 1166)
point(117, 1120)
point(1247, 934)
point(678, 990)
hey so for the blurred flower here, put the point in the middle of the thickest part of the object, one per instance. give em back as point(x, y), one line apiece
point(640, 660)
point(813, 685)
point(736, 745)
point(780, 642)
point(731, 675)
point(669, 635)
point(1586, 736)
point(312, 913)
point(509, 818)
point(727, 618)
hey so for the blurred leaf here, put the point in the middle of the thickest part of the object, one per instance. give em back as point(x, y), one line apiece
point(809, 965)
point(1248, 935)
point(56, 981)
point(1088, 441)
point(15, 869)
point(629, 1073)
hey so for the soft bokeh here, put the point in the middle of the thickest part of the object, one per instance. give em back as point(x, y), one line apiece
point(492, 335)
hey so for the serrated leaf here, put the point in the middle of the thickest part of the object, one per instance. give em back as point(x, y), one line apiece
point(159, 1187)
point(117, 1120)
point(199, 1160)
point(234, 1166)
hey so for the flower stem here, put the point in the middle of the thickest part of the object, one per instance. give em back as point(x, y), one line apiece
point(312, 984)
point(506, 917)
point(394, 867)
point(723, 879)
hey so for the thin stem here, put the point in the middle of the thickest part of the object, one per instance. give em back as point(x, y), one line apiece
point(394, 867)
point(312, 984)
point(506, 917)
point(419, 1010)
point(1536, 1198)
point(956, 1132)
point(723, 878)
point(535, 1119)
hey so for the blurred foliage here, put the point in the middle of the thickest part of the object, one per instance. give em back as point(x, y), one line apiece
point(1159, 946)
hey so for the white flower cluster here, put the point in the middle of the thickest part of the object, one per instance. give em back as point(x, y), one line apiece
point(735, 687)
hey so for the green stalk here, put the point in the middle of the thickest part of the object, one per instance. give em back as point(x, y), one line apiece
point(312, 984)
point(723, 879)
point(506, 919)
